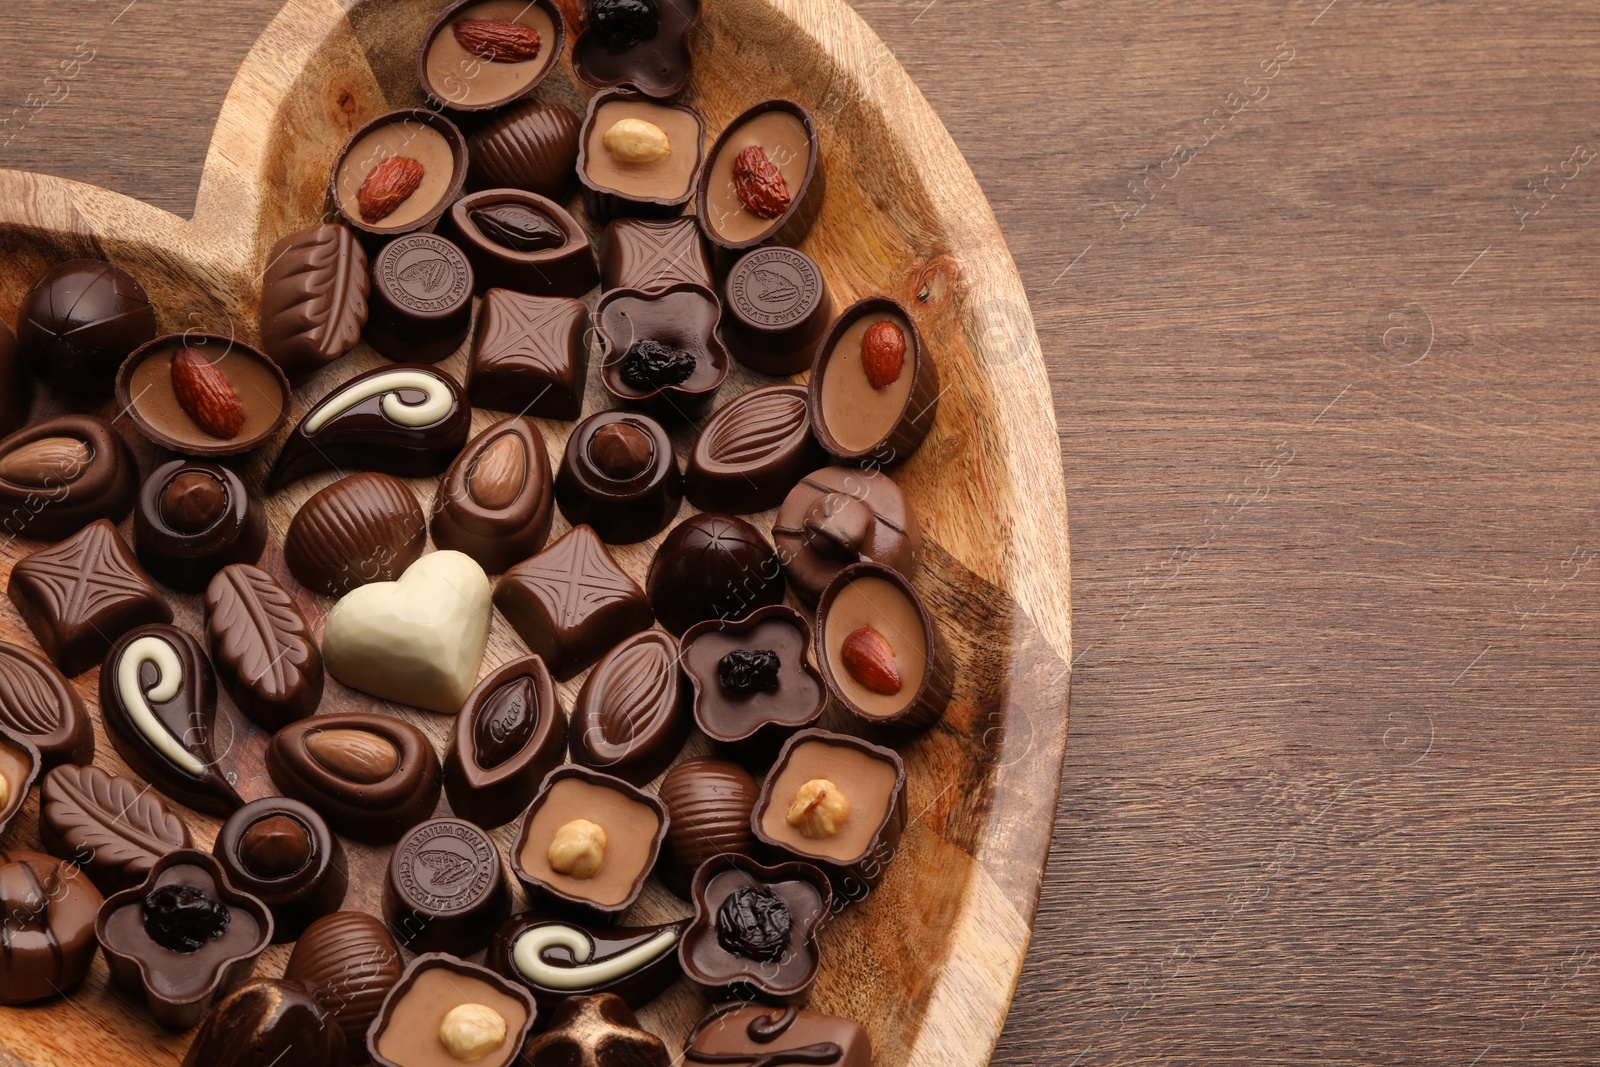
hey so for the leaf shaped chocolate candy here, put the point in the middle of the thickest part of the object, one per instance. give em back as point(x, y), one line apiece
point(632, 714)
point(37, 703)
point(112, 827)
point(313, 298)
point(263, 647)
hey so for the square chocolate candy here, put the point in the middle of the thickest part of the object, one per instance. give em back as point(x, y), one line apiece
point(530, 355)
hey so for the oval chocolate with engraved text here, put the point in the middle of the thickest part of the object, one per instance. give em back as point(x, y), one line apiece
point(334, 762)
point(495, 502)
point(38, 703)
point(361, 529)
point(633, 713)
point(511, 733)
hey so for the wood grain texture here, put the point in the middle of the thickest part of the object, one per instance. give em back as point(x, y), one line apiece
point(935, 949)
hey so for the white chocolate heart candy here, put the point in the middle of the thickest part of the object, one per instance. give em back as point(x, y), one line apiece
point(417, 641)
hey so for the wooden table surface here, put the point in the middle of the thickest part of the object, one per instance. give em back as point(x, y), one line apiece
point(1312, 280)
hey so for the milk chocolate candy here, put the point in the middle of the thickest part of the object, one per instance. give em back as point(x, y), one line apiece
point(361, 529)
point(633, 712)
point(280, 851)
point(753, 452)
point(373, 777)
point(60, 474)
point(182, 938)
point(588, 842)
point(398, 173)
point(193, 519)
point(262, 647)
point(557, 959)
point(763, 181)
point(481, 54)
point(20, 767)
point(201, 394)
point(158, 701)
point(520, 240)
point(422, 289)
point(530, 145)
point(348, 962)
point(79, 322)
point(637, 156)
point(881, 653)
point(530, 355)
point(16, 388)
point(267, 1023)
point(708, 806)
point(778, 307)
point(313, 298)
point(754, 933)
point(50, 909)
point(510, 734)
point(41, 706)
point(440, 1013)
point(408, 420)
point(874, 389)
point(839, 516)
point(753, 681)
point(712, 567)
point(82, 594)
point(659, 351)
point(620, 476)
point(742, 1034)
point(494, 503)
point(445, 892)
point(645, 45)
point(571, 602)
point(113, 827)
point(653, 254)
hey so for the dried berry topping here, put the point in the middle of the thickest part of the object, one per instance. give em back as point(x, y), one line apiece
point(184, 918)
point(748, 670)
point(624, 24)
point(651, 365)
point(753, 923)
point(883, 353)
point(759, 184)
point(388, 185)
point(518, 228)
point(497, 40)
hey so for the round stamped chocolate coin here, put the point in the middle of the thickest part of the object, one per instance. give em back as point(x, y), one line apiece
point(775, 287)
point(446, 866)
point(424, 273)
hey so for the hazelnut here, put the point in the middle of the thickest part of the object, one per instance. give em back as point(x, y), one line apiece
point(470, 1032)
point(578, 849)
point(5, 791)
point(819, 809)
point(637, 141)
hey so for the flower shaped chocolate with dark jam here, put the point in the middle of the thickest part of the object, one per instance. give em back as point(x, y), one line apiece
point(754, 683)
point(755, 928)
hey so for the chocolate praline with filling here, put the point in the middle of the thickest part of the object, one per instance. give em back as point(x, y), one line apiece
point(511, 733)
point(263, 648)
point(421, 301)
point(652, 254)
point(444, 1011)
point(559, 958)
point(20, 767)
point(753, 451)
point(632, 715)
point(38, 704)
point(313, 298)
point(659, 351)
point(481, 54)
point(267, 1022)
point(778, 307)
point(712, 567)
point(403, 196)
point(193, 519)
point(204, 395)
point(708, 805)
point(282, 852)
point(530, 145)
point(763, 181)
point(115, 828)
point(522, 241)
point(361, 529)
point(638, 156)
point(494, 503)
point(445, 892)
point(743, 1033)
point(874, 389)
point(753, 680)
point(620, 476)
point(79, 322)
point(755, 928)
point(60, 474)
point(530, 355)
point(644, 43)
point(349, 962)
point(50, 909)
point(373, 777)
point(841, 515)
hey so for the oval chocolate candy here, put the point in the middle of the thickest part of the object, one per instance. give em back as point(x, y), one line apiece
point(753, 451)
point(361, 529)
point(633, 713)
point(349, 962)
point(269, 662)
point(558, 958)
point(113, 827)
point(511, 733)
point(38, 703)
point(50, 909)
point(280, 851)
point(373, 777)
point(495, 501)
point(58, 475)
point(709, 802)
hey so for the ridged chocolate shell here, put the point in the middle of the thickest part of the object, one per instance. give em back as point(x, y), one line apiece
point(349, 962)
point(633, 713)
point(361, 529)
point(709, 803)
point(313, 298)
point(753, 452)
point(532, 146)
point(38, 703)
point(115, 828)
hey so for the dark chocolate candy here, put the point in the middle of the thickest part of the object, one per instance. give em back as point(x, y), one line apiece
point(137, 926)
point(511, 733)
point(16, 388)
point(282, 852)
point(560, 958)
point(20, 767)
point(422, 288)
point(633, 713)
point(436, 148)
point(373, 777)
point(158, 701)
point(531, 145)
point(313, 298)
point(194, 518)
point(445, 892)
point(38, 704)
point(620, 476)
point(741, 1034)
point(571, 602)
point(752, 712)
point(838, 516)
point(596, 1031)
point(712, 567)
point(653, 254)
point(58, 475)
point(530, 355)
point(82, 594)
point(647, 168)
point(782, 135)
point(753, 452)
point(262, 647)
point(361, 529)
point(778, 307)
point(156, 387)
point(79, 322)
point(682, 317)
point(50, 908)
point(494, 503)
point(755, 928)
point(408, 420)
point(484, 77)
point(708, 804)
point(410, 1032)
point(864, 422)
point(617, 46)
point(267, 1022)
point(113, 827)
point(349, 962)
point(523, 241)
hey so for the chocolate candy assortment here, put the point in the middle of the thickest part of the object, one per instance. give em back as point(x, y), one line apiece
point(727, 742)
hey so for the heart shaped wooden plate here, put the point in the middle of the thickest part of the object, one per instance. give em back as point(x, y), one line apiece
point(929, 960)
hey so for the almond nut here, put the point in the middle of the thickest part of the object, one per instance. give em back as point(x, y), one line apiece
point(205, 394)
point(870, 660)
point(637, 141)
point(497, 40)
point(47, 462)
point(354, 755)
point(498, 475)
point(388, 185)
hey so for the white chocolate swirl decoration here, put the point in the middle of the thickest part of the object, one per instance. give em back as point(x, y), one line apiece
point(436, 406)
point(169, 680)
point(528, 955)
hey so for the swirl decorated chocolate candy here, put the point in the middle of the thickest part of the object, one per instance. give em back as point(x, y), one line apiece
point(445, 1011)
point(50, 908)
point(633, 713)
point(560, 958)
point(619, 475)
point(113, 827)
point(349, 962)
point(281, 851)
point(158, 700)
point(58, 475)
point(494, 503)
point(511, 732)
point(756, 1035)
point(755, 928)
point(753, 452)
point(38, 704)
point(409, 420)
point(372, 777)
point(194, 518)
point(79, 322)
point(267, 1023)
point(445, 892)
point(263, 648)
